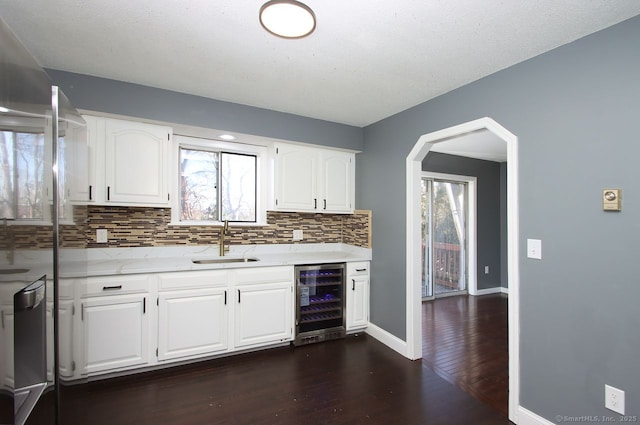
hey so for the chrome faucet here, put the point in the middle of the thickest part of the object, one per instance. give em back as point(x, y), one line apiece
point(223, 232)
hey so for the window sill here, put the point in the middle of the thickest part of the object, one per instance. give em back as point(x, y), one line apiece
point(215, 224)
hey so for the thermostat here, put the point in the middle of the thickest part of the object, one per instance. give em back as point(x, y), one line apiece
point(612, 200)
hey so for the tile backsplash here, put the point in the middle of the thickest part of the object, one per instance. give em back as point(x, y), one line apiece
point(147, 227)
point(139, 227)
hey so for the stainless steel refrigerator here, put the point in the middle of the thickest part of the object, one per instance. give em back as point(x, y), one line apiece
point(38, 127)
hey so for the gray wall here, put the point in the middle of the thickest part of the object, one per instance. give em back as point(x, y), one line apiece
point(575, 112)
point(488, 208)
point(117, 97)
point(504, 270)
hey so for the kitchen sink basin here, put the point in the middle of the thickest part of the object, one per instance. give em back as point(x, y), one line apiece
point(223, 260)
point(13, 271)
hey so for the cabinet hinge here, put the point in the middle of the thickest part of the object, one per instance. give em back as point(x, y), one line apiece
point(73, 365)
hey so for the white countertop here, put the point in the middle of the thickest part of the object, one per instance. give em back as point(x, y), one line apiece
point(115, 261)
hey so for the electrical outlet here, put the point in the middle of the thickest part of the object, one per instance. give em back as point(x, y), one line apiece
point(486, 269)
point(297, 235)
point(102, 236)
point(614, 399)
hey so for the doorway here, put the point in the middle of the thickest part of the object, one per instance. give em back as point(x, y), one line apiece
point(445, 211)
point(414, 240)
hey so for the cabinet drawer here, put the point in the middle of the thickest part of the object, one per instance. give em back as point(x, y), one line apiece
point(115, 285)
point(196, 279)
point(264, 275)
point(360, 268)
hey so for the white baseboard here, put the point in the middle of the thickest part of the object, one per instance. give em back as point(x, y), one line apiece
point(496, 290)
point(388, 339)
point(527, 417)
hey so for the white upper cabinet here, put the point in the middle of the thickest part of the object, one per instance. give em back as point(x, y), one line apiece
point(311, 179)
point(131, 162)
point(338, 176)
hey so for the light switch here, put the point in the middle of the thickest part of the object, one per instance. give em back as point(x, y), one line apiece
point(534, 249)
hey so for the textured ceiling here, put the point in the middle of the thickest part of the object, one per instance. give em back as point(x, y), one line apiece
point(367, 59)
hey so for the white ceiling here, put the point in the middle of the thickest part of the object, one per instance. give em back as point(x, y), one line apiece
point(367, 59)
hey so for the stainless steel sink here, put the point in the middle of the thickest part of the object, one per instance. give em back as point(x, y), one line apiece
point(13, 271)
point(222, 260)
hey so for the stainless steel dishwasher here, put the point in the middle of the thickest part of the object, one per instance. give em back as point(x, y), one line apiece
point(24, 353)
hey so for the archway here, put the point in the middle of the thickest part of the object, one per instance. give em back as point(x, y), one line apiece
point(413, 243)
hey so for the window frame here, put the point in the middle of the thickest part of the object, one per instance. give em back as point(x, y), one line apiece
point(213, 145)
point(46, 175)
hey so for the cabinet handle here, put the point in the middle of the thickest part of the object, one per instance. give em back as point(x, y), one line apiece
point(238, 296)
point(361, 270)
point(111, 288)
point(353, 285)
point(325, 204)
point(90, 192)
point(2, 314)
point(225, 297)
point(315, 203)
point(82, 312)
point(108, 193)
point(144, 305)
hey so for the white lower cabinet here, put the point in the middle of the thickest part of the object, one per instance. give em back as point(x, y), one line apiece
point(7, 322)
point(128, 322)
point(66, 364)
point(263, 313)
point(192, 322)
point(65, 339)
point(357, 295)
point(115, 332)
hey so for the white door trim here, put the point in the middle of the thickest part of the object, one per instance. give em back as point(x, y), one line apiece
point(471, 245)
point(413, 241)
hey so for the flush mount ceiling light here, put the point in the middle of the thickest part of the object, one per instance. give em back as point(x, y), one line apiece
point(287, 18)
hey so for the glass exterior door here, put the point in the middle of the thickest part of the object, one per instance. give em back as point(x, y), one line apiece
point(444, 217)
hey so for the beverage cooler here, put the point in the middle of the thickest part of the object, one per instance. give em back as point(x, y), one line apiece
point(320, 303)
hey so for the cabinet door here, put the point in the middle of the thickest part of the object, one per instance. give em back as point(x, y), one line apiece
point(7, 324)
point(296, 176)
point(77, 157)
point(263, 313)
point(115, 332)
point(192, 322)
point(136, 157)
point(337, 182)
point(65, 340)
point(358, 302)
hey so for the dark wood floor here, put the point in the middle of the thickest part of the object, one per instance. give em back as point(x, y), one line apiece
point(356, 380)
point(466, 342)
